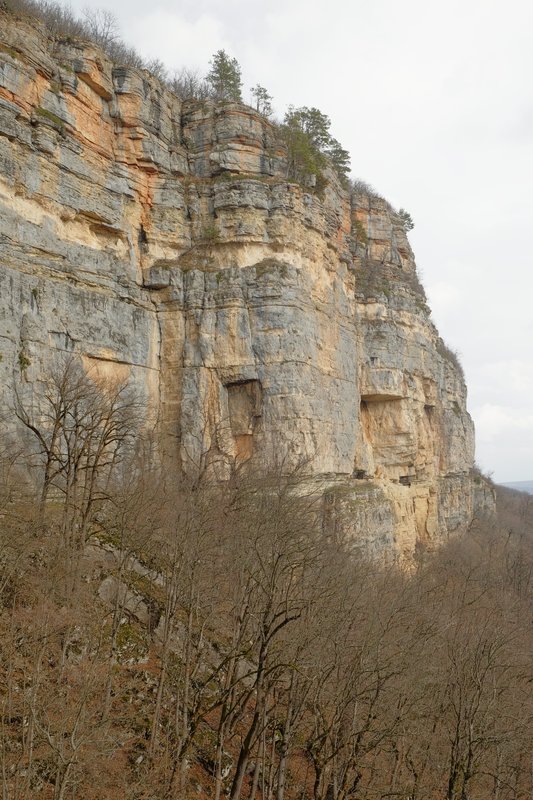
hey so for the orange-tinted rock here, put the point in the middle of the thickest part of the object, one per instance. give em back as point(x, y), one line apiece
point(263, 322)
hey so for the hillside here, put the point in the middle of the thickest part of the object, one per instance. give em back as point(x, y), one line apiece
point(244, 549)
point(212, 642)
point(520, 486)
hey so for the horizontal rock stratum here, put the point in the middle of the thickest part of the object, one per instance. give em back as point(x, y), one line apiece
point(264, 323)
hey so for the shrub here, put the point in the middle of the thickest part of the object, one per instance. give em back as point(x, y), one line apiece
point(362, 188)
point(97, 26)
point(24, 361)
point(188, 85)
point(210, 233)
point(452, 356)
point(358, 229)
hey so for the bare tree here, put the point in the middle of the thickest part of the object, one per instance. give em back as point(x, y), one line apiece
point(189, 85)
point(102, 25)
point(83, 427)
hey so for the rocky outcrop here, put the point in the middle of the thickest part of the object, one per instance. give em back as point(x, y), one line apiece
point(264, 323)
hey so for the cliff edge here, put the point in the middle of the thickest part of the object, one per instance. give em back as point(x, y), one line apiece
point(264, 323)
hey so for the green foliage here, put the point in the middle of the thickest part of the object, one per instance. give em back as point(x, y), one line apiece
point(9, 50)
point(340, 158)
point(406, 219)
point(311, 146)
point(210, 233)
point(224, 77)
point(313, 123)
point(481, 476)
point(361, 236)
point(304, 160)
point(50, 116)
point(24, 361)
point(237, 178)
point(131, 642)
point(262, 100)
point(270, 266)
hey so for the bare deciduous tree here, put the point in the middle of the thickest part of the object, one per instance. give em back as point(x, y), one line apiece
point(102, 25)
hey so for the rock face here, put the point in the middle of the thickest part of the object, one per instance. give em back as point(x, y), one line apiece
point(162, 241)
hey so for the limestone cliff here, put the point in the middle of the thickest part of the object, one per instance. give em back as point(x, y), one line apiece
point(263, 322)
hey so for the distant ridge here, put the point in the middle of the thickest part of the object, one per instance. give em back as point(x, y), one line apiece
point(520, 486)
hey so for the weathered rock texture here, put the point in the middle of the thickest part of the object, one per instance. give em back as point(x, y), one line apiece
point(163, 241)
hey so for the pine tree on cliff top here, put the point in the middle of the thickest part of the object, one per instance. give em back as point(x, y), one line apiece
point(224, 77)
point(309, 141)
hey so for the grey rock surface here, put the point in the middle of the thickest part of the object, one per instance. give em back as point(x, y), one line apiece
point(264, 323)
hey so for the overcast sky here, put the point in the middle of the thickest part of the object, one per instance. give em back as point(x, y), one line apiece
point(434, 101)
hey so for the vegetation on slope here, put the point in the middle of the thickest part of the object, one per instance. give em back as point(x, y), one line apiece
point(305, 131)
point(172, 638)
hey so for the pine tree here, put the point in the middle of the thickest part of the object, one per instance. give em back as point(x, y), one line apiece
point(262, 100)
point(340, 158)
point(313, 122)
point(406, 219)
point(310, 145)
point(224, 77)
point(304, 157)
